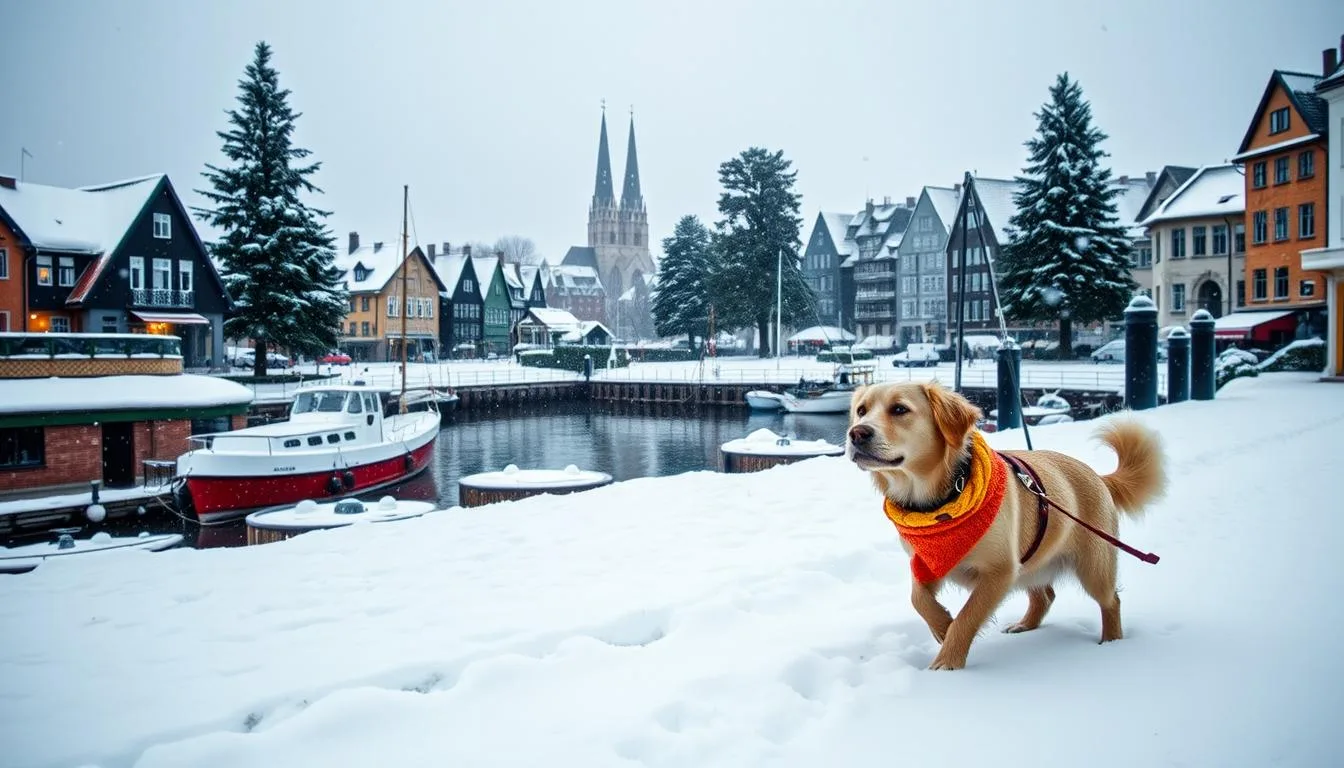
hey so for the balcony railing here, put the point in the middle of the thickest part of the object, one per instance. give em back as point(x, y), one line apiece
point(162, 297)
point(867, 277)
point(874, 314)
point(875, 295)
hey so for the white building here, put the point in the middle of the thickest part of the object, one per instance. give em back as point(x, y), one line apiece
point(1330, 259)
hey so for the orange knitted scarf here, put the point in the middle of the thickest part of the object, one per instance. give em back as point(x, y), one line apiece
point(942, 537)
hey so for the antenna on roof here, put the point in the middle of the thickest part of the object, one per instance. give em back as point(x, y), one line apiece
point(23, 153)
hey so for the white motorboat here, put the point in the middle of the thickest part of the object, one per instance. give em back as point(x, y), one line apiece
point(764, 400)
point(25, 558)
point(833, 397)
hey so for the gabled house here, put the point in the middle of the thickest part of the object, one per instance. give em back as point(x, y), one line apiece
point(983, 211)
point(824, 250)
point(1198, 264)
point(876, 231)
point(921, 268)
point(461, 307)
point(1284, 158)
point(373, 325)
point(513, 280)
point(496, 305)
point(1161, 186)
point(577, 290)
point(533, 286)
point(112, 258)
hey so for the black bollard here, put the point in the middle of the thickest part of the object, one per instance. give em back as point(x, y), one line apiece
point(587, 367)
point(1178, 366)
point(1141, 354)
point(1010, 378)
point(1202, 380)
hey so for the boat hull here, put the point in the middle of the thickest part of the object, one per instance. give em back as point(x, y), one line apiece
point(764, 400)
point(827, 402)
point(227, 497)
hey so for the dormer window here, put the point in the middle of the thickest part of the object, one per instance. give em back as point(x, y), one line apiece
point(361, 274)
point(163, 226)
point(1278, 121)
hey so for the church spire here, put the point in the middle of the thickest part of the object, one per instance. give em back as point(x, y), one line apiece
point(631, 197)
point(603, 194)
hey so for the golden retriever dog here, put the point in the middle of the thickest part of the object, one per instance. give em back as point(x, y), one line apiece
point(920, 445)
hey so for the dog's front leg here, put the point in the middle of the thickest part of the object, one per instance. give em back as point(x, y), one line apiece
point(990, 589)
point(925, 599)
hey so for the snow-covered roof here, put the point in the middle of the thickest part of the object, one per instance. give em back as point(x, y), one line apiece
point(119, 393)
point(944, 201)
point(555, 319)
point(837, 224)
point(575, 278)
point(996, 198)
point(1214, 190)
point(379, 261)
point(512, 277)
point(88, 220)
point(822, 333)
point(484, 266)
point(585, 327)
point(449, 268)
point(1132, 194)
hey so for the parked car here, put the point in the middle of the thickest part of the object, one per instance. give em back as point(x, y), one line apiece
point(335, 358)
point(246, 357)
point(1114, 352)
point(917, 354)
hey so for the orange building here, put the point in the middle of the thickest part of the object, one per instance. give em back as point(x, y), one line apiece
point(11, 281)
point(1284, 159)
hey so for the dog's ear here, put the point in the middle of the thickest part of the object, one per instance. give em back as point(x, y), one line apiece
point(954, 414)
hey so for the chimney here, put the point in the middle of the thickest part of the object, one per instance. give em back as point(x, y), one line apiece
point(1330, 59)
point(377, 247)
point(886, 200)
point(466, 251)
point(446, 249)
point(869, 207)
point(909, 202)
point(1124, 180)
point(430, 253)
point(1152, 177)
point(354, 242)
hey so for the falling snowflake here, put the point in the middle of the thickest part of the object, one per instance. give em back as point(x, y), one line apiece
point(1052, 296)
point(1081, 242)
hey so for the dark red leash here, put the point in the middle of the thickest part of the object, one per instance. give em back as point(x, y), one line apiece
point(1033, 484)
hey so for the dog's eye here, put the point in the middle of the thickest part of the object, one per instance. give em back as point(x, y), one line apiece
point(861, 410)
point(898, 409)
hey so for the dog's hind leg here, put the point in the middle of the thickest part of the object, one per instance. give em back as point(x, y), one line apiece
point(925, 599)
point(1097, 575)
point(1040, 600)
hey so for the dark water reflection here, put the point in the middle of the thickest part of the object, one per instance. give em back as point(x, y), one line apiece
point(625, 440)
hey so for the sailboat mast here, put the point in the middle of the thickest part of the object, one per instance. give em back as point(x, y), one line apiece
point(405, 302)
point(779, 305)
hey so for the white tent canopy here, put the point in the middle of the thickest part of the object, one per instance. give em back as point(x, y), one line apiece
point(822, 333)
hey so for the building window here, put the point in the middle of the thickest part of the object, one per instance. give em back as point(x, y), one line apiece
point(184, 276)
point(1280, 282)
point(1306, 288)
point(163, 226)
point(1259, 285)
point(392, 304)
point(163, 276)
point(60, 324)
point(1241, 293)
point(352, 329)
point(65, 272)
point(1281, 170)
point(1258, 175)
point(1200, 237)
point(1178, 297)
point(44, 270)
point(1145, 257)
point(1306, 164)
point(1306, 220)
point(22, 447)
point(1280, 224)
point(1259, 227)
point(4, 264)
point(363, 303)
point(4, 320)
point(468, 285)
point(429, 308)
point(1219, 239)
point(1238, 238)
point(1278, 121)
point(410, 306)
point(364, 328)
point(1178, 243)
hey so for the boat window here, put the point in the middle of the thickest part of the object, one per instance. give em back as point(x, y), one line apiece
point(291, 443)
point(370, 404)
point(321, 402)
point(356, 404)
point(349, 435)
point(333, 438)
point(314, 440)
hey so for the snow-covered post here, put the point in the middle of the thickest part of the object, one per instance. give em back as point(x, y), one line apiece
point(1178, 366)
point(1010, 399)
point(1141, 354)
point(1202, 379)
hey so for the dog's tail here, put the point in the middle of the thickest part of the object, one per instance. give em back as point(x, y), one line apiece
point(1141, 477)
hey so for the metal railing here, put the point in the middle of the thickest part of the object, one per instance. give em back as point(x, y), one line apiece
point(162, 297)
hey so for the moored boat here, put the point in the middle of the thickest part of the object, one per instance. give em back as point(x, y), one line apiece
point(339, 440)
point(764, 400)
point(25, 558)
point(833, 397)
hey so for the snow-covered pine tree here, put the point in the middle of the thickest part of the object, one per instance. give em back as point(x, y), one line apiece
point(1067, 249)
point(681, 297)
point(275, 254)
point(760, 219)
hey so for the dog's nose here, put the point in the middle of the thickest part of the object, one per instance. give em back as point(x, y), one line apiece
point(860, 434)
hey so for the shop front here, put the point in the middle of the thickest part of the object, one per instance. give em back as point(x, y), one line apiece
point(198, 348)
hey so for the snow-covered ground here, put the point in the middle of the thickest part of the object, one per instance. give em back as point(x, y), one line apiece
point(710, 620)
point(1075, 375)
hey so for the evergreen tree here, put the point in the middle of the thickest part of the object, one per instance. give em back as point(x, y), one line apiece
point(760, 220)
point(681, 298)
point(275, 254)
point(1067, 258)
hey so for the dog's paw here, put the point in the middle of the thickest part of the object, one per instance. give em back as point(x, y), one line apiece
point(946, 661)
point(1013, 629)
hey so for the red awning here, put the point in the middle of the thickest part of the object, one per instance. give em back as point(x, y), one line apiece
point(1242, 325)
point(176, 318)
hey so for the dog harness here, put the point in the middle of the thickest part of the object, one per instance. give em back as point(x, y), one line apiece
point(942, 537)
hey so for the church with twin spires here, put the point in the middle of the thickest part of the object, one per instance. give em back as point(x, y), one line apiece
point(618, 235)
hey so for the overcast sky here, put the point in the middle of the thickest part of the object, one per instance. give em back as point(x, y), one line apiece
point(490, 110)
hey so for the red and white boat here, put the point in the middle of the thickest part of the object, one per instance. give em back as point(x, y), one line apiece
point(339, 440)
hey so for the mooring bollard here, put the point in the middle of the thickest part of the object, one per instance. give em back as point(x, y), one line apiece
point(1202, 380)
point(1010, 378)
point(1141, 354)
point(1178, 366)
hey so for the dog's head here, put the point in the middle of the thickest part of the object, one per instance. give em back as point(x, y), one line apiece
point(909, 435)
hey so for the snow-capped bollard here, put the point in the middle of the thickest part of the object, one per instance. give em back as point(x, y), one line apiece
point(764, 449)
point(1178, 366)
point(1141, 354)
point(1202, 356)
point(513, 483)
point(1010, 400)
